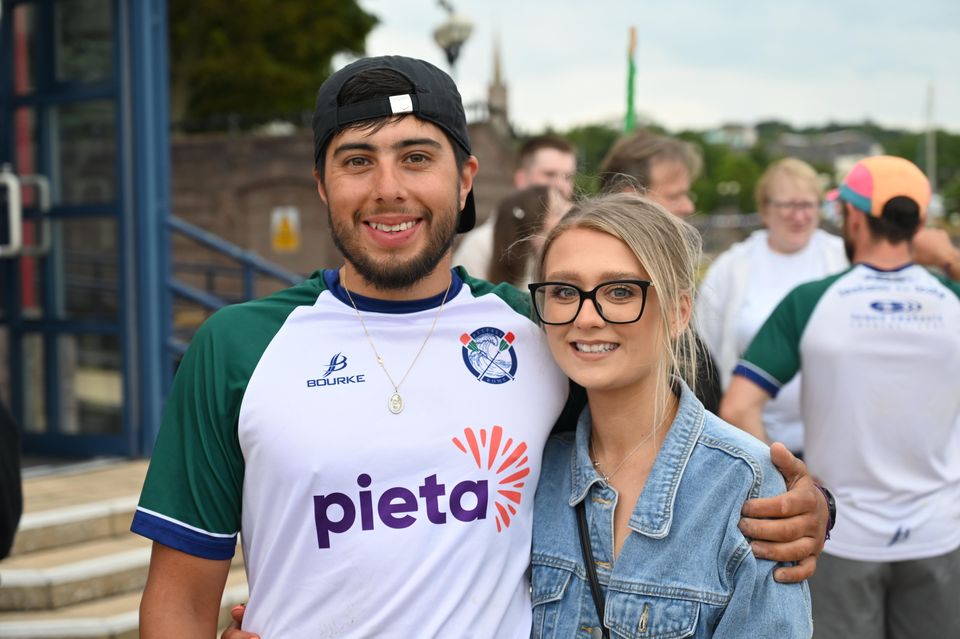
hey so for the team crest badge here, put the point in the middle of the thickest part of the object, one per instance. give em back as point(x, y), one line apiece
point(489, 354)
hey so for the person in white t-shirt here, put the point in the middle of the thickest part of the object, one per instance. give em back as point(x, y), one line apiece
point(746, 282)
point(879, 348)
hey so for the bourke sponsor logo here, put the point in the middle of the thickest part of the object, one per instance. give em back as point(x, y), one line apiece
point(467, 501)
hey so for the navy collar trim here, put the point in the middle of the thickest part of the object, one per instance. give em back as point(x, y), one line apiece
point(886, 270)
point(373, 305)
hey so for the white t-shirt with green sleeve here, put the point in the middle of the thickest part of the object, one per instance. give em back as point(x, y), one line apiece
point(357, 522)
point(880, 357)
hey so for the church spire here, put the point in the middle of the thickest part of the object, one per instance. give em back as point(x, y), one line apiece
point(497, 94)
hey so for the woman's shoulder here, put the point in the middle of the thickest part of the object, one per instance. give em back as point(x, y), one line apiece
point(728, 449)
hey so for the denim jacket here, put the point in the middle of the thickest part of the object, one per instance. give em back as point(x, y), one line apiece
point(685, 570)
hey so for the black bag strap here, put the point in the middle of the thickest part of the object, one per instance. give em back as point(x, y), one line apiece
point(587, 549)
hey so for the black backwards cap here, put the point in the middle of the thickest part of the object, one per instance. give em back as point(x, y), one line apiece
point(435, 98)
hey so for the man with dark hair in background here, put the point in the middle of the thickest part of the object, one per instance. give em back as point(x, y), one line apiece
point(545, 160)
point(878, 346)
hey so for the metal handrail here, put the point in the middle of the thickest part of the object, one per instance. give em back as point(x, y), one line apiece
point(250, 262)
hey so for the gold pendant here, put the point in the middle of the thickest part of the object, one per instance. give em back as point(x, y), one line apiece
point(395, 403)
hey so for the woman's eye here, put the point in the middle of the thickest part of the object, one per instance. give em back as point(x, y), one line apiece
point(620, 293)
point(564, 293)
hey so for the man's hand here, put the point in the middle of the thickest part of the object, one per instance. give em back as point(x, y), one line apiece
point(791, 526)
point(233, 630)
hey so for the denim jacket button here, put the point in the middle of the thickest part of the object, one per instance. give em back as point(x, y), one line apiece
point(596, 633)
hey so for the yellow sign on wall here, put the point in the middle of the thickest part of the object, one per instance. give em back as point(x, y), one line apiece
point(285, 229)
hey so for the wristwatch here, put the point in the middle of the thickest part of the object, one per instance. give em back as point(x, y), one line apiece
point(831, 509)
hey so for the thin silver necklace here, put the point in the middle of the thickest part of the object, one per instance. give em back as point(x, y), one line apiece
point(596, 462)
point(395, 402)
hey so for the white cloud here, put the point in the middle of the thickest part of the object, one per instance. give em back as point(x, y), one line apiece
point(700, 62)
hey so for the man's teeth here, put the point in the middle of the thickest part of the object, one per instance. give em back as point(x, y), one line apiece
point(595, 348)
point(392, 228)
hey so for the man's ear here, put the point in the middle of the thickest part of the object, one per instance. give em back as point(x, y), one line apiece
point(320, 188)
point(467, 175)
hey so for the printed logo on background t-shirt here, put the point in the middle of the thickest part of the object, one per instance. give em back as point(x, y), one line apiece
point(489, 355)
point(502, 466)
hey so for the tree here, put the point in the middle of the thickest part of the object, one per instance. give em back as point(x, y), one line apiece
point(257, 58)
point(592, 142)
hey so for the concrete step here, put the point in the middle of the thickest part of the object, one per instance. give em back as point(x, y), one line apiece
point(59, 527)
point(66, 508)
point(68, 575)
point(114, 617)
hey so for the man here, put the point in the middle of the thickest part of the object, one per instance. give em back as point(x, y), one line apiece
point(376, 431)
point(879, 350)
point(662, 168)
point(545, 160)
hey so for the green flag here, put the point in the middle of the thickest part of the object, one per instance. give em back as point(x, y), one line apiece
point(630, 121)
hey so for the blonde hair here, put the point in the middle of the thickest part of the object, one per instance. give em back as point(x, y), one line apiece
point(790, 169)
point(669, 250)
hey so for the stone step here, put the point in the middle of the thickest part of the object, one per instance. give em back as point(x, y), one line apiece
point(60, 527)
point(69, 507)
point(114, 617)
point(58, 577)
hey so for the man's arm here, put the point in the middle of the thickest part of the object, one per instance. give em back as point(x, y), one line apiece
point(742, 406)
point(182, 596)
point(791, 527)
point(932, 247)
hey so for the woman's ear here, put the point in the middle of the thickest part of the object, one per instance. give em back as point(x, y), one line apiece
point(682, 317)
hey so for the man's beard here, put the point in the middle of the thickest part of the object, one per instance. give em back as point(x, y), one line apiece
point(394, 274)
point(848, 249)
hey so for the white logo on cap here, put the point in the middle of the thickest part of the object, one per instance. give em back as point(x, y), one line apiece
point(401, 104)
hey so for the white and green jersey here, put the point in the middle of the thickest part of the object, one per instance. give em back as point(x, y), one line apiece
point(880, 357)
point(357, 522)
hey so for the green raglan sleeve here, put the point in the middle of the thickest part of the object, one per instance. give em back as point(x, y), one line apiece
point(773, 357)
point(193, 492)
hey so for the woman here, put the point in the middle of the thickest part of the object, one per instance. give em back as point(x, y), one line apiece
point(746, 282)
point(661, 481)
point(523, 219)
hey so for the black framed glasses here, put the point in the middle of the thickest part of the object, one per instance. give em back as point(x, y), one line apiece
point(616, 301)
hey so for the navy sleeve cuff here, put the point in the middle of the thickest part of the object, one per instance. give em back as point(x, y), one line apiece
point(179, 537)
point(758, 377)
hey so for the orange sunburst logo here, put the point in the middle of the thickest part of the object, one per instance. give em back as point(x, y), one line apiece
point(506, 459)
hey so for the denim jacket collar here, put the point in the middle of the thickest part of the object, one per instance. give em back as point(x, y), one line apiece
point(653, 513)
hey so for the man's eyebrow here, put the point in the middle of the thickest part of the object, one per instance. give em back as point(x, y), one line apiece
point(402, 144)
point(353, 146)
point(417, 142)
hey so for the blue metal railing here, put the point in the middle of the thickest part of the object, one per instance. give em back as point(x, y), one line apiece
point(250, 264)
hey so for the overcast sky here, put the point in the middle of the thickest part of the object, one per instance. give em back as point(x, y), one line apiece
point(700, 63)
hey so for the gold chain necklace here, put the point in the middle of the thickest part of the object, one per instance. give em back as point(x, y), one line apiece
point(395, 403)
